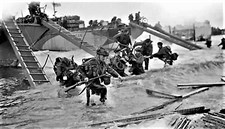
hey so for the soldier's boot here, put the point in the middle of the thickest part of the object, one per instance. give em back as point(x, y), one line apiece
point(88, 96)
point(103, 95)
point(102, 100)
point(146, 68)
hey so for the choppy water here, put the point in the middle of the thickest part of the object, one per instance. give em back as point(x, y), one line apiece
point(43, 109)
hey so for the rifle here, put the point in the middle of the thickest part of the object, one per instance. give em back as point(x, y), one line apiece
point(63, 91)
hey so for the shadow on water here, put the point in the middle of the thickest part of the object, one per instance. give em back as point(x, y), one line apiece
point(11, 80)
point(7, 72)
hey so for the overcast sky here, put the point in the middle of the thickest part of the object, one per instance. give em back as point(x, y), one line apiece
point(168, 13)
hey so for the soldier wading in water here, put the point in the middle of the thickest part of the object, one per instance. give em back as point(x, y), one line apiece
point(95, 67)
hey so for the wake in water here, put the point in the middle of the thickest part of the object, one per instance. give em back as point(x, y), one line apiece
point(40, 106)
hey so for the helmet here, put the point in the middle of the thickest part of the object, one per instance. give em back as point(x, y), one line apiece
point(148, 40)
point(168, 47)
point(160, 43)
point(139, 49)
point(102, 51)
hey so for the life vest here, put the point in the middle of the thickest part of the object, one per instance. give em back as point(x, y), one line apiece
point(117, 63)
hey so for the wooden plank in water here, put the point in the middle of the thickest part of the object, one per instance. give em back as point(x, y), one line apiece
point(170, 102)
point(201, 84)
point(150, 92)
point(195, 92)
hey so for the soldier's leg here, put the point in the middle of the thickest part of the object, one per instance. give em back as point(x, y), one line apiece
point(88, 96)
point(103, 94)
point(146, 60)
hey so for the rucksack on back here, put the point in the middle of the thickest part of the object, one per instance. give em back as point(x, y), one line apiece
point(174, 56)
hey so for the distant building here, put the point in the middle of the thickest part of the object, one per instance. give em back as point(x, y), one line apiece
point(223, 31)
point(197, 31)
point(203, 30)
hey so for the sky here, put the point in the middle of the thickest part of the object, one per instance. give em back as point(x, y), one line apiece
point(168, 12)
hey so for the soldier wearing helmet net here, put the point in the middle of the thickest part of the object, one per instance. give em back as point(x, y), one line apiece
point(94, 67)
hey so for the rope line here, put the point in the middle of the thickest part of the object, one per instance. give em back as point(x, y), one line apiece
point(45, 62)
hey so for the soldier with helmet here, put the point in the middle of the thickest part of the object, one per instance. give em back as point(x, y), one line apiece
point(147, 49)
point(124, 41)
point(65, 70)
point(34, 8)
point(222, 43)
point(123, 38)
point(165, 54)
point(95, 67)
point(136, 61)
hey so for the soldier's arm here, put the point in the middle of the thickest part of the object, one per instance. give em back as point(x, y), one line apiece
point(220, 43)
point(137, 44)
point(81, 70)
point(155, 55)
point(116, 36)
point(151, 49)
point(83, 67)
point(111, 71)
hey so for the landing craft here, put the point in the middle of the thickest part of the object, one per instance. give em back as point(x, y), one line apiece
point(27, 34)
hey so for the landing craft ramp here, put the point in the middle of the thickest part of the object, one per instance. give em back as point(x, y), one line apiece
point(70, 37)
point(24, 54)
point(164, 35)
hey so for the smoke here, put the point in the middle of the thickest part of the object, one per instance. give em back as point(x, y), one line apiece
point(16, 9)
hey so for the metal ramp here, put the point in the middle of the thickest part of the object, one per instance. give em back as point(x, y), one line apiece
point(164, 35)
point(27, 59)
point(70, 37)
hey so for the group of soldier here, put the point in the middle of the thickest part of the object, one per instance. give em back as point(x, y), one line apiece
point(36, 15)
point(69, 73)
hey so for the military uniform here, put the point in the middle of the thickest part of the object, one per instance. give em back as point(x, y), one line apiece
point(34, 8)
point(94, 67)
point(123, 38)
point(222, 43)
point(62, 69)
point(147, 49)
point(136, 62)
point(164, 54)
point(208, 43)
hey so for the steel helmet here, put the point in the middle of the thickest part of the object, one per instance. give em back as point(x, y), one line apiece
point(139, 49)
point(160, 43)
point(102, 51)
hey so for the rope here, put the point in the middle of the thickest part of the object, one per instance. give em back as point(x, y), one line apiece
point(48, 57)
point(51, 60)
point(45, 62)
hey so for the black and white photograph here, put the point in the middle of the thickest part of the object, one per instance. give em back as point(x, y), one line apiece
point(121, 64)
